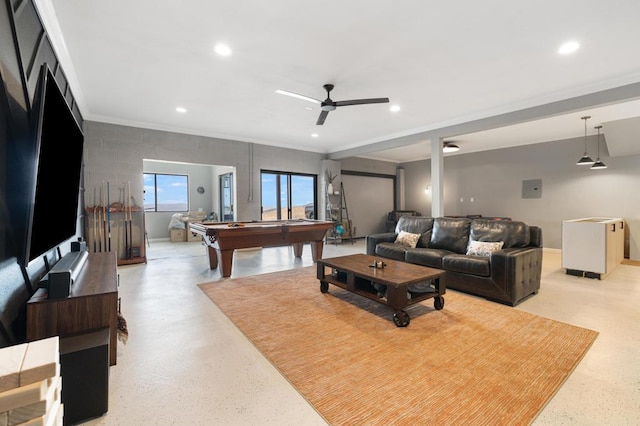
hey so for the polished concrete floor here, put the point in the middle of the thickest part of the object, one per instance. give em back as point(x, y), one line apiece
point(185, 363)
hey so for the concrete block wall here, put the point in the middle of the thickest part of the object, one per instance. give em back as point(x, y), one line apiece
point(115, 153)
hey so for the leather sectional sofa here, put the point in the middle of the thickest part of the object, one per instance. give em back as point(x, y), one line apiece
point(500, 260)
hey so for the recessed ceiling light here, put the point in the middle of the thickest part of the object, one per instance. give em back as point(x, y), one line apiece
point(181, 110)
point(222, 49)
point(314, 135)
point(394, 108)
point(569, 47)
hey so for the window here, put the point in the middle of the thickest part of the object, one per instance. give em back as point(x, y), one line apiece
point(166, 193)
point(287, 195)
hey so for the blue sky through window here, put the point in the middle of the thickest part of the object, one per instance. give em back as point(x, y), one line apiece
point(302, 190)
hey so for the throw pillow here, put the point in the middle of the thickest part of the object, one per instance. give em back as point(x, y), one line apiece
point(481, 248)
point(407, 239)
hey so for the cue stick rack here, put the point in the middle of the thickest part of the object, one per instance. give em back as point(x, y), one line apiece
point(116, 224)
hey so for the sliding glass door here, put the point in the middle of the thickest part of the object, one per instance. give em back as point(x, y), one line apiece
point(226, 197)
point(286, 195)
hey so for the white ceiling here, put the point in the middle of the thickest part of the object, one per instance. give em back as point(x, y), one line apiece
point(446, 64)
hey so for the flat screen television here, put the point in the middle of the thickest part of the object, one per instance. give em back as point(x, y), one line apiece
point(59, 143)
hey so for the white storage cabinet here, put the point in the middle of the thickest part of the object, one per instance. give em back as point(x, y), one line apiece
point(592, 247)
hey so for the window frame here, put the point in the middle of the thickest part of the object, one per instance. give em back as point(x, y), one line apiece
point(155, 193)
point(288, 175)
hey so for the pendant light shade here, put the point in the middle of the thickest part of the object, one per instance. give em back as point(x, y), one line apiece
point(450, 147)
point(598, 164)
point(585, 160)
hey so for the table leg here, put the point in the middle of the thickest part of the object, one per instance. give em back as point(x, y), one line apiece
point(213, 258)
point(226, 262)
point(397, 297)
point(320, 271)
point(316, 250)
point(440, 284)
point(297, 249)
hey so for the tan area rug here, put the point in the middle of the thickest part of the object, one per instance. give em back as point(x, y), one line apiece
point(474, 362)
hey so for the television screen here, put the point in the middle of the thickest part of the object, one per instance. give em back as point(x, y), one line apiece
point(59, 146)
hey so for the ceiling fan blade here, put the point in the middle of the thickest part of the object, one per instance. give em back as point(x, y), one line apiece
point(322, 117)
point(362, 101)
point(296, 95)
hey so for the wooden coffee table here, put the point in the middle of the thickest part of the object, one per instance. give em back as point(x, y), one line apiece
point(355, 273)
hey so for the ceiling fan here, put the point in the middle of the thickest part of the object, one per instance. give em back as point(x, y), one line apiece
point(329, 105)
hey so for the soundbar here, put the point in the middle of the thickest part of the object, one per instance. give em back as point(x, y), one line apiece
point(59, 279)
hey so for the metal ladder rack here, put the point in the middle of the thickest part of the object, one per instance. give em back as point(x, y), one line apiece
point(338, 213)
point(344, 214)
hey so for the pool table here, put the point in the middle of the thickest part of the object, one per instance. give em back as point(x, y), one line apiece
point(222, 238)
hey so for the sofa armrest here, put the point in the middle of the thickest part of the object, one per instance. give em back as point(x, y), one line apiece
point(374, 239)
point(517, 270)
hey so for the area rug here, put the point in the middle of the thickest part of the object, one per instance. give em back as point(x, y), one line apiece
point(473, 362)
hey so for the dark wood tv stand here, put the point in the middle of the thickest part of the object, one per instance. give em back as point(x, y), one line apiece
point(91, 305)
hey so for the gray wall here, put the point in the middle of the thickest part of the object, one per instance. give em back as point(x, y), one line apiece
point(115, 153)
point(368, 196)
point(494, 180)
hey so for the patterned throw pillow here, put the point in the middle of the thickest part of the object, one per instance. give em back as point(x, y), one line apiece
point(481, 248)
point(407, 239)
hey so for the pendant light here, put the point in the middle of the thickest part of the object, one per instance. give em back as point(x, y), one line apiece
point(598, 164)
point(585, 160)
point(450, 147)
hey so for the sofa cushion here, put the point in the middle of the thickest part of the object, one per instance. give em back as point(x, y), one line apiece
point(482, 248)
point(465, 264)
point(416, 225)
point(512, 233)
point(391, 250)
point(426, 256)
point(450, 234)
point(407, 239)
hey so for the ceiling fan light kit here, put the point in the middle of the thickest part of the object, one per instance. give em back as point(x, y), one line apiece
point(329, 104)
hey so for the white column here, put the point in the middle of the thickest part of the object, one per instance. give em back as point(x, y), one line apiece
point(437, 178)
point(400, 188)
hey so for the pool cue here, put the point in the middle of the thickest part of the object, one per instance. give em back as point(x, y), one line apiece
point(124, 210)
point(121, 201)
point(104, 217)
point(99, 210)
point(95, 224)
point(126, 224)
point(130, 223)
point(116, 239)
point(108, 217)
point(103, 231)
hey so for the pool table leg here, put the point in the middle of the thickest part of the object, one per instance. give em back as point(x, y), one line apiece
point(213, 258)
point(297, 249)
point(226, 261)
point(316, 250)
